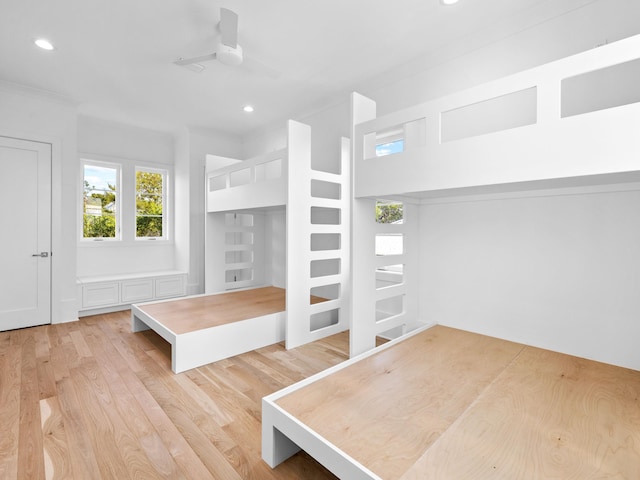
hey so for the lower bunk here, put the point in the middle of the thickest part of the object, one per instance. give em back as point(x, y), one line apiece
point(444, 403)
point(206, 328)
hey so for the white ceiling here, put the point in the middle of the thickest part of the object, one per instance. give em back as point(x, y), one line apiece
point(114, 57)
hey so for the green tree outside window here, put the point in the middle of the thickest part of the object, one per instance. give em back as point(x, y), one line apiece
point(99, 203)
point(149, 204)
point(389, 212)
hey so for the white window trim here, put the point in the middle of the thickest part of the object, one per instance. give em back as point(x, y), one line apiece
point(106, 164)
point(165, 203)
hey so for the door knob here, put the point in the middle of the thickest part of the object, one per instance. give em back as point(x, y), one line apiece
point(41, 254)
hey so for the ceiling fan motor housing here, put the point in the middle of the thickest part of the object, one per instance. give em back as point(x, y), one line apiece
point(229, 55)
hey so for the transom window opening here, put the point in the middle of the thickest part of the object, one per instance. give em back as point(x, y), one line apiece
point(389, 143)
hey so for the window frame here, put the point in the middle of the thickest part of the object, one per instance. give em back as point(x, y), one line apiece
point(165, 202)
point(118, 200)
point(392, 137)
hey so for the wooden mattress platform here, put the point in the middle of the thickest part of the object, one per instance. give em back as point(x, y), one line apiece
point(448, 404)
point(206, 328)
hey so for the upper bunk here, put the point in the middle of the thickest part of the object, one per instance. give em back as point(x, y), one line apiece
point(275, 220)
point(570, 122)
point(259, 182)
point(270, 179)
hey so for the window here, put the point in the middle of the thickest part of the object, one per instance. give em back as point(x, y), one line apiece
point(151, 192)
point(389, 212)
point(389, 148)
point(101, 190)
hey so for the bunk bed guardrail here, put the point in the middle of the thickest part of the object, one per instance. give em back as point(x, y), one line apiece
point(254, 183)
point(578, 116)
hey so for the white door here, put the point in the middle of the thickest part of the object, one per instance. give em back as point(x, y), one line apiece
point(25, 233)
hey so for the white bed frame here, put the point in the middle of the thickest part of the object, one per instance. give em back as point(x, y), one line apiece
point(283, 435)
point(548, 142)
point(278, 180)
point(208, 345)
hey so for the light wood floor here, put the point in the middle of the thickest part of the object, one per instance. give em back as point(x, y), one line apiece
point(90, 400)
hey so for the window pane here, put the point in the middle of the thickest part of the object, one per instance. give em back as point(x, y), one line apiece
point(389, 212)
point(389, 244)
point(149, 204)
point(100, 201)
point(389, 148)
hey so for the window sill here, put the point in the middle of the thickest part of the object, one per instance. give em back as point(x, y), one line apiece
point(123, 243)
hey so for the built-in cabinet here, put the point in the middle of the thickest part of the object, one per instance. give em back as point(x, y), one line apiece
point(110, 293)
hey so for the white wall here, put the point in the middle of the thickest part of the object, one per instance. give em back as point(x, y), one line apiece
point(558, 271)
point(327, 126)
point(130, 146)
point(275, 249)
point(192, 148)
point(35, 116)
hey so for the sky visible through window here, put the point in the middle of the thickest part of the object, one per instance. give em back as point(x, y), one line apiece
point(99, 178)
point(389, 148)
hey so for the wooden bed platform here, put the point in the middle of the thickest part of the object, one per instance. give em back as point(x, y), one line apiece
point(448, 404)
point(206, 328)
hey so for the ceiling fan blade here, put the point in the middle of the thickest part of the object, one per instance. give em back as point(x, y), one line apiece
point(229, 27)
point(188, 61)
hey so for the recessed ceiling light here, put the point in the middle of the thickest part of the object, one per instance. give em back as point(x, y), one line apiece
point(44, 44)
point(448, 2)
point(248, 108)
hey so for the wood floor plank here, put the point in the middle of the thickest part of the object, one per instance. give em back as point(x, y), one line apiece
point(42, 341)
point(207, 441)
point(63, 355)
point(175, 443)
point(57, 460)
point(11, 365)
point(5, 341)
point(80, 344)
point(30, 443)
point(91, 389)
point(84, 461)
point(46, 377)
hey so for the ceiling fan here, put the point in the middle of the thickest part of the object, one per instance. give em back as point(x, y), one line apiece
point(227, 50)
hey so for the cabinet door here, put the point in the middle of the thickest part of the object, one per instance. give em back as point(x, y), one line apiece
point(132, 291)
point(170, 286)
point(100, 294)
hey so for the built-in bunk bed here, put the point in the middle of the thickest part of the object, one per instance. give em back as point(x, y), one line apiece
point(440, 402)
point(277, 259)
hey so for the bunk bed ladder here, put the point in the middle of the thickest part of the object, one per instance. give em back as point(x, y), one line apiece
point(384, 287)
point(318, 244)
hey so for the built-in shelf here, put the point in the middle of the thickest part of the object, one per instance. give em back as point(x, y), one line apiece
point(107, 293)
